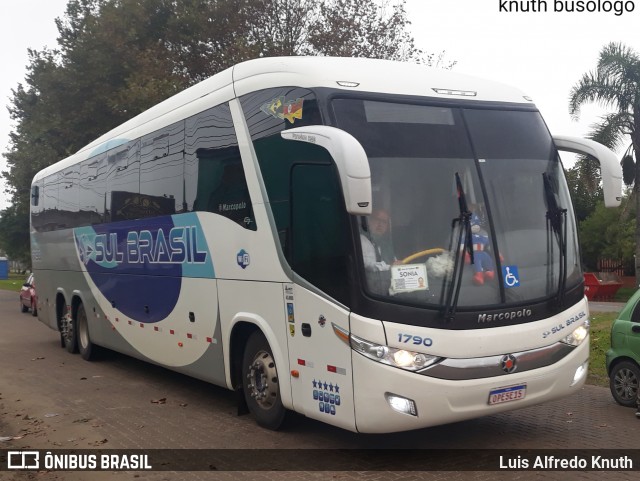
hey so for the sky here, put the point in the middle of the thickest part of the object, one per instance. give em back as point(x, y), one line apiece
point(542, 47)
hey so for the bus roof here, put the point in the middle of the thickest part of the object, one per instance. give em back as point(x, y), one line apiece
point(349, 74)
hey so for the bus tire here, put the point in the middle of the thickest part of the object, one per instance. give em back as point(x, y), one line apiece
point(70, 334)
point(85, 346)
point(260, 383)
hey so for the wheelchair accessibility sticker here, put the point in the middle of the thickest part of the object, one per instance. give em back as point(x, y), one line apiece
point(510, 276)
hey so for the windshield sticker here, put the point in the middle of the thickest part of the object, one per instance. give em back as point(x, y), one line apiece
point(510, 276)
point(408, 278)
point(284, 109)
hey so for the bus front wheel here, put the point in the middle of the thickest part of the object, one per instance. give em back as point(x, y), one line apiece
point(260, 383)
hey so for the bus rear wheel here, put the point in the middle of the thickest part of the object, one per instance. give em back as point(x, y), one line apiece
point(260, 383)
point(69, 333)
point(85, 346)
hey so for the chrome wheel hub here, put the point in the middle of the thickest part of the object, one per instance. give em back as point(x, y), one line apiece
point(262, 380)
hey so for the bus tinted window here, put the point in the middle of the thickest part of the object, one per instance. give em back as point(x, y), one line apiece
point(214, 177)
point(268, 112)
point(93, 188)
point(123, 182)
point(162, 171)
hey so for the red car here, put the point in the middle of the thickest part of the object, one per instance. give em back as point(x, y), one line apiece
point(28, 296)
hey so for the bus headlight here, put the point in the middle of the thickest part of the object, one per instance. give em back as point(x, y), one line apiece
point(409, 360)
point(577, 336)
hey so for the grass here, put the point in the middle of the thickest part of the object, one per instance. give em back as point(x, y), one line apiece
point(624, 293)
point(600, 342)
point(14, 283)
point(600, 331)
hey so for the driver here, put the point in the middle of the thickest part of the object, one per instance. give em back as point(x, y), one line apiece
point(377, 249)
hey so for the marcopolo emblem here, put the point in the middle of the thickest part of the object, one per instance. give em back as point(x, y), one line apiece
point(508, 363)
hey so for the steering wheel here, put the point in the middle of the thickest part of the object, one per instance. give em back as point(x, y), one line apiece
point(417, 255)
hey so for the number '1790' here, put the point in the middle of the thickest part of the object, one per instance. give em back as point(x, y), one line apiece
point(416, 340)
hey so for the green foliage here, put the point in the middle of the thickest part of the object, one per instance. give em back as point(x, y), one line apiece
point(608, 233)
point(600, 334)
point(13, 283)
point(14, 235)
point(117, 58)
point(584, 194)
point(628, 170)
point(615, 83)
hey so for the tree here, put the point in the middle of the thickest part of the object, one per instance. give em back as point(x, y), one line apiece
point(616, 83)
point(116, 58)
point(14, 235)
point(584, 196)
point(607, 233)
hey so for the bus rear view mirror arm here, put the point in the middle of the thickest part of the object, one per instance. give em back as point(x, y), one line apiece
point(350, 158)
point(609, 164)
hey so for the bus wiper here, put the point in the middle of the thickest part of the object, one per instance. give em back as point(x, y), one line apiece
point(556, 222)
point(463, 223)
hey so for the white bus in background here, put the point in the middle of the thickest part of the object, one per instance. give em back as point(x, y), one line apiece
point(221, 234)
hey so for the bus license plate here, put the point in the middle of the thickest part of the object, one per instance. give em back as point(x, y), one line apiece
point(507, 394)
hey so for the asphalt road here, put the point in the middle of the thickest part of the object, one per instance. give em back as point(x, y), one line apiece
point(50, 399)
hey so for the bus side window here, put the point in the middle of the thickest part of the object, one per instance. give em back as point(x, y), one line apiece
point(92, 190)
point(214, 177)
point(276, 155)
point(222, 186)
point(162, 171)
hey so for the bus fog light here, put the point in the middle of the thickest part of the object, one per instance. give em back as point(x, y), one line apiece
point(401, 404)
point(580, 373)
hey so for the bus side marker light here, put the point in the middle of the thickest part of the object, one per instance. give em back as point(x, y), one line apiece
point(295, 373)
point(341, 333)
point(180, 344)
point(337, 370)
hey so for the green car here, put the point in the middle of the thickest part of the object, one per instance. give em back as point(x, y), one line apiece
point(623, 359)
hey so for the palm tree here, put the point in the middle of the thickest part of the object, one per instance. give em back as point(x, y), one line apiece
point(615, 83)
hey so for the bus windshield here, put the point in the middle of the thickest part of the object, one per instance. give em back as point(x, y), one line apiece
point(482, 187)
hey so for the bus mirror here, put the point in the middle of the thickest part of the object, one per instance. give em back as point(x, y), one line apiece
point(610, 168)
point(350, 158)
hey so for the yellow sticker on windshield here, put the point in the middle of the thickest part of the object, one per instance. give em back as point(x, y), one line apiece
point(284, 109)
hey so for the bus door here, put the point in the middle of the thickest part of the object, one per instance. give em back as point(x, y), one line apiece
point(317, 248)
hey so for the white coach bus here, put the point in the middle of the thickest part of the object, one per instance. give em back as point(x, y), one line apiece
point(376, 245)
